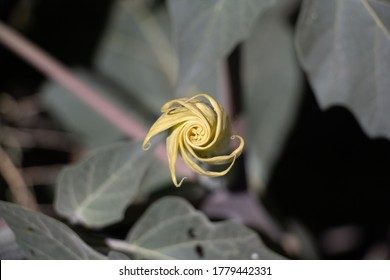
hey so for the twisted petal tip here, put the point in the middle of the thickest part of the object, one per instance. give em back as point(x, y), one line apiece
point(146, 146)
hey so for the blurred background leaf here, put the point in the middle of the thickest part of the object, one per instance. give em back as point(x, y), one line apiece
point(96, 191)
point(43, 237)
point(172, 229)
point(113, 255)
point(137, 54)
point(9, 249)
point(206, 31)
point(344, 46)
point(272, 83)
point(157, 177)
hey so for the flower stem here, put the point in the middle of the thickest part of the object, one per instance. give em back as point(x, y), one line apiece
point(58, 72)
point(16, 183)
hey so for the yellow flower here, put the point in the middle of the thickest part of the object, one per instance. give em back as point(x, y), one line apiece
point(198, 129)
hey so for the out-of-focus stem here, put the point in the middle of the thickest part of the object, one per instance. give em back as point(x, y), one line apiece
point(226, 97)
point(55, 70)
point(225, 91)
point(58, 72)
point(14, 179)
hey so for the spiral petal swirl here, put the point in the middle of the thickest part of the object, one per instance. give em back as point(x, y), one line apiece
point(199, 130)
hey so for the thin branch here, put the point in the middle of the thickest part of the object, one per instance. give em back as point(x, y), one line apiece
point(41, 175)
point(16, 111)
point(58, 72)
point(17, 185)
point(39, 138)
point(225, 91)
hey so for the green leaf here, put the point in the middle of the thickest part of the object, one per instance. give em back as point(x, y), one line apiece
point(136, 53)
point(113, 255)
point(157, 177)
point(9, 249)
point(344, 47)
point(97, 191)
point(43, 237)
point(272, 82)
point(206, 31)
point(172, 229)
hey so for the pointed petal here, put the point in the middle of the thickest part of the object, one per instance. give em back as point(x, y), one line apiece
point(218, 160)
point(165, 122)
point(172, 151)
point(195, 167)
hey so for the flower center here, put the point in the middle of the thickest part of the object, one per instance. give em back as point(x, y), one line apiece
point(196, 134)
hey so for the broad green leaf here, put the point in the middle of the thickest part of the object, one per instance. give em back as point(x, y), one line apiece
point(43, 237)
point(287, 7)
point(172, 229)
point(272, 86)
point(344, 46)
point(97, 191)
point(206, 31)
point(92, 129)
point(156, 177)
point(113, 255)
point(137, 54)
point(9, 249)
point(212, 83)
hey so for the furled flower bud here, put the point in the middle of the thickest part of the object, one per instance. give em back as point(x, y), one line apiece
point(198, 129)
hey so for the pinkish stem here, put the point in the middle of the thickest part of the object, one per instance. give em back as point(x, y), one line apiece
point(58, 72)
